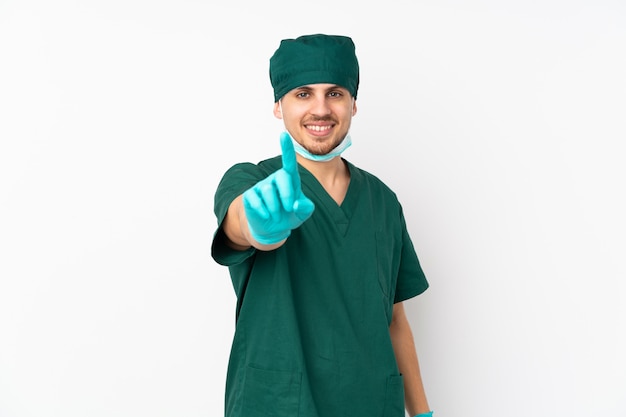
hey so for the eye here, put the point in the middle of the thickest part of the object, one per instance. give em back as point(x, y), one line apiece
point(302, 94)
point(335, 94)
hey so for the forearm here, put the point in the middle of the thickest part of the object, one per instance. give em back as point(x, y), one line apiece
point(408, 363)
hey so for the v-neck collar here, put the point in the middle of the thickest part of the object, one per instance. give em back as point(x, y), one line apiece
point(340, 213)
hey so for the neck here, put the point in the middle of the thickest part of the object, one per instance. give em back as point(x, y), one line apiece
point(333, 175)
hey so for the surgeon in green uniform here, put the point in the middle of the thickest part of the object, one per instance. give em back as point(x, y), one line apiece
point(320, 259)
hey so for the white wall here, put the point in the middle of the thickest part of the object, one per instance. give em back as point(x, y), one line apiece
point(498, 123)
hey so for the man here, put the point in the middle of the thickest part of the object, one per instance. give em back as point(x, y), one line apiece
point(319, 257)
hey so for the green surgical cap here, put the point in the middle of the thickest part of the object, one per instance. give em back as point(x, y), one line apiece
point(314, 59)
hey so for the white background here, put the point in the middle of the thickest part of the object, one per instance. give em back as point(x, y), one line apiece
point(500, 124)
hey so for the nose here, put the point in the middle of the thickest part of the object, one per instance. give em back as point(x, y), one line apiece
point(320, 107)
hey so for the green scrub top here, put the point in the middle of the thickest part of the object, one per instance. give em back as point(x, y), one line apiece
point(312, 318)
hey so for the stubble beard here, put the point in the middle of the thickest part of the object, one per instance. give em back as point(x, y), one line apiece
point(322, 148)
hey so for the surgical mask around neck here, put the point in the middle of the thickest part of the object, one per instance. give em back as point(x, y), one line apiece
point(345, 144)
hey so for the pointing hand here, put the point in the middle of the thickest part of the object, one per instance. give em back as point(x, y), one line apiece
point(276, 205)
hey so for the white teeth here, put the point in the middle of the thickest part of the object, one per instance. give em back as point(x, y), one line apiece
point(318, 128)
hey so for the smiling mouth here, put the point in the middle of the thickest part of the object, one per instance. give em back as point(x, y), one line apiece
point(317, 128)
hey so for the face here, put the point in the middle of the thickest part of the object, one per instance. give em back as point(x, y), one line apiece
point(317, 116)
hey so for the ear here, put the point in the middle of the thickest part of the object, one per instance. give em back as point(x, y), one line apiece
point(278, 111)
point(353, 107)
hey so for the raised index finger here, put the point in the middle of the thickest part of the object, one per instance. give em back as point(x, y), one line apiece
point(289, 157)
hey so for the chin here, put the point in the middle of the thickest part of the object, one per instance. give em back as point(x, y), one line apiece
point(322, 148)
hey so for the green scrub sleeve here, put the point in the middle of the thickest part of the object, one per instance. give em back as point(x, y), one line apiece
point(225, 255)
point(411, 278)
point(235, 181)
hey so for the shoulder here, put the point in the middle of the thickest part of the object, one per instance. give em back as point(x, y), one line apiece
point(259, 170)
point(372, 181)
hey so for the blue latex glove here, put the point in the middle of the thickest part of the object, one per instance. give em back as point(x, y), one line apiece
point(429, 414)
point(276, 205)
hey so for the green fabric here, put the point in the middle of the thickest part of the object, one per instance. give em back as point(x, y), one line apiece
point(312, 331)
point(314, 59)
